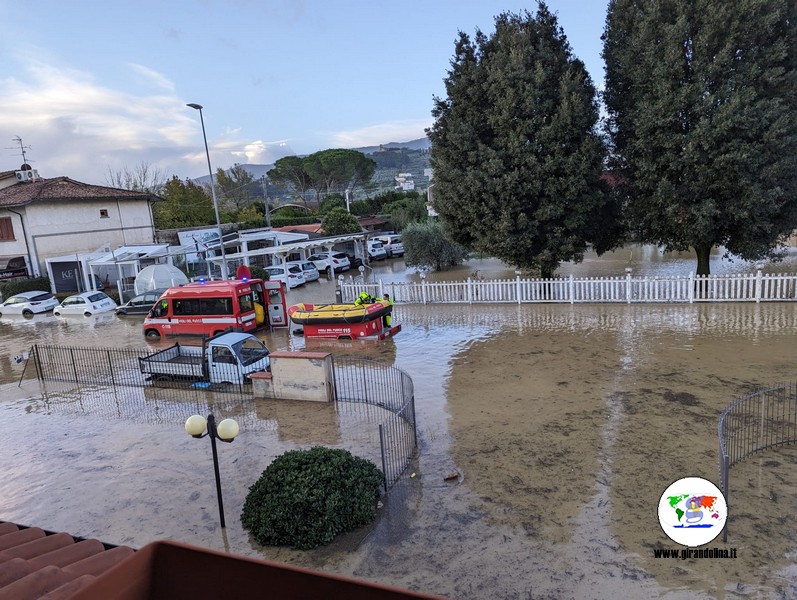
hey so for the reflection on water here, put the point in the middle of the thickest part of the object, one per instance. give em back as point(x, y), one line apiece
point(693, 319)
point(644, 260)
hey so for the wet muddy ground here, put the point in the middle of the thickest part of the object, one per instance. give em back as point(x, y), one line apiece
point(566, 423)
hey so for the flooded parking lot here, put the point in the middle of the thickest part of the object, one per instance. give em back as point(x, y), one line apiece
point(566, 423)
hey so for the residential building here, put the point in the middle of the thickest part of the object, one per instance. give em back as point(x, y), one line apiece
point(45, 218)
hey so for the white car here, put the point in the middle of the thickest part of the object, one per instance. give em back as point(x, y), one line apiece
point(376, 250)
point(28, 303)
point(87, 303)
point(291, 275)
point(393, 244)
point(324, 261)
point(308, 268)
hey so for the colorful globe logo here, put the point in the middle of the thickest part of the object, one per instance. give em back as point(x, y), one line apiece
point(692, 511)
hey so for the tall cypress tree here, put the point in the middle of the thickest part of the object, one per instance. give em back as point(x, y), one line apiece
point(515, 152)
point(701, 97)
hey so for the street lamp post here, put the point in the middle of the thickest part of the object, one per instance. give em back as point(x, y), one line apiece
point(224, 273)
point(199, 427)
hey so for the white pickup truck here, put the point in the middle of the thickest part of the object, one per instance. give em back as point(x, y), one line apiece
point(224, 358)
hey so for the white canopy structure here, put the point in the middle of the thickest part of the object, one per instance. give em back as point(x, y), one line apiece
point(158, 276)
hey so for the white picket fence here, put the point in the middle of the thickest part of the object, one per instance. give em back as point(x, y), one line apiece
point(744, 287)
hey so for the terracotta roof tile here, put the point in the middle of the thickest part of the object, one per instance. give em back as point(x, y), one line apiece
point(37, 564)
point(307, 228)
point(68, 590)
point(63, 188)
point(42, 565)
point(68, 555)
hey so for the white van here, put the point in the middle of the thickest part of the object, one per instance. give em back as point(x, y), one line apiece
point(392, 244)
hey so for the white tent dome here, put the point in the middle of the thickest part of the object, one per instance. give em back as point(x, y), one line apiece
point(158, 276)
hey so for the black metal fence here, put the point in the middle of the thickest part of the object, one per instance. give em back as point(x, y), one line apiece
point(390, 388)
point(387, 390)
point(120, 366)
point(760, 420)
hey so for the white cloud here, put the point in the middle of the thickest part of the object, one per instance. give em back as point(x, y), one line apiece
point(80, 128)
point(262, 153)
point(394, 131)
point(153, 76)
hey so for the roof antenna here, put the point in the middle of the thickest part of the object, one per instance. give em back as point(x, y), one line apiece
point(25, 166)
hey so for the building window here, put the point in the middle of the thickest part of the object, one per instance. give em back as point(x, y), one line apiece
point(103, 213)
point(6, 230)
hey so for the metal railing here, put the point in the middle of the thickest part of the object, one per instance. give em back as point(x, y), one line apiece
point(386, 390)
point(390, 388)
point(118, 366)
point(760, 420)
point(742, 287)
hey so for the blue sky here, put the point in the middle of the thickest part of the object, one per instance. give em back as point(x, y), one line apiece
point(98, 86)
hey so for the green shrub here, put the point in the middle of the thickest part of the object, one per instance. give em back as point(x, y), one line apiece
point(258, 273)
point(15, 286)
point(307, 497)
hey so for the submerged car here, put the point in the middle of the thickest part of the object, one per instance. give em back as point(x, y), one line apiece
point(308, 268)
point(336, 261)
point(28, 303)
point(291, 275)
point(376, 250)
point(392, 243)
point(141, 304)
point(87, 303)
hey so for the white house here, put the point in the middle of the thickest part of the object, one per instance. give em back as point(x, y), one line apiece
point(46, 218)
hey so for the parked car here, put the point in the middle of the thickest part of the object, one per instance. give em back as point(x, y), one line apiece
point(291, 275)
point(337, 261)
point(392, 243)
point(99, 283)
point(140, 304)
point(308, 268)
point(87, 303)
point(354, 261)
point(28, 303)
point(376, 250)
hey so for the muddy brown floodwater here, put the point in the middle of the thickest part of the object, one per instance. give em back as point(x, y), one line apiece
point(565, 423)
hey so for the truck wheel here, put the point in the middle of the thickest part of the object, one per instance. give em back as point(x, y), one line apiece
point(152, 334)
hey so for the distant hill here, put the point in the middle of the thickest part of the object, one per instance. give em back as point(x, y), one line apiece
point(391, 159)
point(419, 144)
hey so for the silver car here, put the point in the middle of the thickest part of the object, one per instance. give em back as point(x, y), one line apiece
point(308, 268)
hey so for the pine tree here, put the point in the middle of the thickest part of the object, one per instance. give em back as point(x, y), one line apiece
point(703, 121)
point(185, 204)
point(515, 151)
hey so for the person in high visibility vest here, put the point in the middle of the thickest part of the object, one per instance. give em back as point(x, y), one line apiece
point(260, 314)
point(364, 298)
point(387, 318)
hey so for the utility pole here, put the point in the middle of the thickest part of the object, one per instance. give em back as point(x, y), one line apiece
point(265, 201)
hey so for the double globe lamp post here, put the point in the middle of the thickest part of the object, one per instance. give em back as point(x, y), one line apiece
point(224, 271)
point(199, 427)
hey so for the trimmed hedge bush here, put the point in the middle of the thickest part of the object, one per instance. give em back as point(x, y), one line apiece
point(15, 286)
point(307, 497)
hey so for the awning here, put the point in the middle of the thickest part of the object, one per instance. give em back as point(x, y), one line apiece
point(13, 266)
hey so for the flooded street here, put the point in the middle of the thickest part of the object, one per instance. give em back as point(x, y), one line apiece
point(566, 424)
